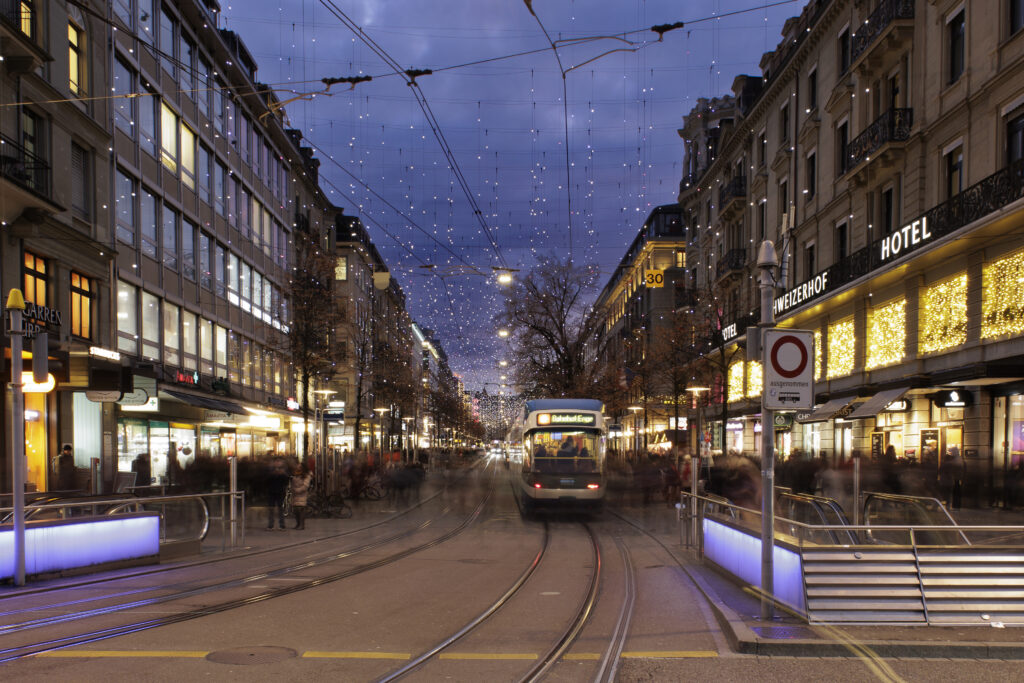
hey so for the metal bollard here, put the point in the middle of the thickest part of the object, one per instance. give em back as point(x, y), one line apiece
point(232, 513)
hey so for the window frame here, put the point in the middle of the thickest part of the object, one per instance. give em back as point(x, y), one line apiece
point(956, 44)
point(35, 276)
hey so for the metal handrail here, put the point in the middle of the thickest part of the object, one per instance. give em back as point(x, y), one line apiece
point(899, 497)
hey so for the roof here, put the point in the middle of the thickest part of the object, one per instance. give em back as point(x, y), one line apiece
point(564, 404)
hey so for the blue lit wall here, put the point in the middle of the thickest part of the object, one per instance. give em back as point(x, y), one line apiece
point(59, 545)
point(739, 553)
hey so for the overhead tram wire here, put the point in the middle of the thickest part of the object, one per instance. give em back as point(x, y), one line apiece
point(410, 76)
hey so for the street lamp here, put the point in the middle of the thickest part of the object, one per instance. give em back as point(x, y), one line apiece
point(318, 415)
point(380, 425)
point(406, 433)
point(696, 391)
point(503, 332)
point(503, 363)
point(636, 433)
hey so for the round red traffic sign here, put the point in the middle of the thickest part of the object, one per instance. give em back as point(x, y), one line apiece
point(789, 356)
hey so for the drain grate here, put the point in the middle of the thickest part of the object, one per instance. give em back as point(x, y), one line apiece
point(781, 632)
point(259, 654)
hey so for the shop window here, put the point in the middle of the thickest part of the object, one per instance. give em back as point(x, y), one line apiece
point(1002, 297)
point(887, 333)
point(36, 280)
point(77, 62)
point(148, 224)
point(170, 226)
point(189, 332)
point(172, 333)
point(150, 326)
point(817, 354)
point(82, 294)
point(943, 322)
point(841, 345)
point(755, 379)
point(127, 318)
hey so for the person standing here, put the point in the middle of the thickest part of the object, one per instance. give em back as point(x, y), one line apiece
point(142, 470)
point(277, 484)
point(66, 469)
point(300, 493)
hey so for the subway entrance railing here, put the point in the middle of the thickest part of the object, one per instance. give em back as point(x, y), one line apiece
point(936, 574)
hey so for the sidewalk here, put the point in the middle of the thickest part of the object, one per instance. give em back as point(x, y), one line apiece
point(737, 609)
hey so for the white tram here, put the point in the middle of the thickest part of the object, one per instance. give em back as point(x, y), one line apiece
point(563, 454)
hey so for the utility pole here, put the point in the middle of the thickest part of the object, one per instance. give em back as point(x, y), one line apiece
point(767, 261)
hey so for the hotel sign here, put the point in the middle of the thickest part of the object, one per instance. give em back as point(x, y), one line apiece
point(802, 293)
point(907, 238)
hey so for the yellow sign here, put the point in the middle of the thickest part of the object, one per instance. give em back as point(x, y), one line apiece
point(654, 278)
point(29, 386)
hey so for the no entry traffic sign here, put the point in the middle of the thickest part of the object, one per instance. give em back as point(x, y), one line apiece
point(788, 369)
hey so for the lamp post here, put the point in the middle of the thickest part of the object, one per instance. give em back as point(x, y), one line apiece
point(380, 425)
point(767, 261)
point(406, 433)
point(636, 434)
point(15, 309)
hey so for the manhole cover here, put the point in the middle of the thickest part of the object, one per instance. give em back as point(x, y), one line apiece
point(260, 654)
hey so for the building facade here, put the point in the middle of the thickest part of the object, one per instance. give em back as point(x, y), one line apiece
point(881, 150)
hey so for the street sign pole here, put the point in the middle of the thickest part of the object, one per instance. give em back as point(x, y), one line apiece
point(767, 261)
point(15, 308)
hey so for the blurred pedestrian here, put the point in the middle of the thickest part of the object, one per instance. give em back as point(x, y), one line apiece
point(951, 477)
point(277, 484)
point(66, 469)
point(143, 471)
point(300, 492)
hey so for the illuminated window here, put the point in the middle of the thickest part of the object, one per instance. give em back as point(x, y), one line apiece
point(188, 157)
point(27, 12)
point(169, 138)
point(944, 315)
point(735, 381)
point(76, 59)
point(840, 348)
point(341, 268)
point(887, 334)
point(172, 335)
point(81, 306)
point(127, 318)
point(755, 379)
point(150, 326)
point(206, 346)
point(36, 279)
point(1002, 297)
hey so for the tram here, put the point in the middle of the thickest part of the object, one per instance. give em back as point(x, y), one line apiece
point(562, 455)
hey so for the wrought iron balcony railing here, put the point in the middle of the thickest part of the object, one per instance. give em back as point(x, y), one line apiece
point(887, 12)
point(892, 126)
point(734, 189)
point(19, 14)
point(734, 260)
point(24, 168)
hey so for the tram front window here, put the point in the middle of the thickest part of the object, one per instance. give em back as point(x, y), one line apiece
point(565, 452)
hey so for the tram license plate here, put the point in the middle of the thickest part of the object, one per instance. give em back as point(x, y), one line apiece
point(567, 482)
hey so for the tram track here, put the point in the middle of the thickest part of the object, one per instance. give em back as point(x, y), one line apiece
point(21, 651)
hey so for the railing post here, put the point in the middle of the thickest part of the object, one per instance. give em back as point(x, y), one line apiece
point(233, 471)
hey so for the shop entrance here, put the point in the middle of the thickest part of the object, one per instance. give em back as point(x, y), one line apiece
point(843, 435)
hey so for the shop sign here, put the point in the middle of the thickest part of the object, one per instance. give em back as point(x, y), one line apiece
point(138, 397)
point(334, 415)
point(265, 422)
point(292, 404)
point(151, 405)
point(100, 352)
point(783, 420)
point(734, 426)
point(218, 416)
point(952, 398)
point(188, 378)
point(103, 396)
point(36, 319)
point(566, 418)
point(899, 406)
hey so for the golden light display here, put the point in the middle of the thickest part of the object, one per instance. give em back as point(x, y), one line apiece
point(887, 334)
point(943, 315)
point(817, 354)
point(755, 379)
point(735, 381)
point(840, 348)
point(1002, 297)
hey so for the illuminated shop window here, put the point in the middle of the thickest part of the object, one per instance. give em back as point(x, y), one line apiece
point(944, 315)
point(736, 381)
point(1002, 298)
point(840, 348)
point(887, 334)
point(755, 379)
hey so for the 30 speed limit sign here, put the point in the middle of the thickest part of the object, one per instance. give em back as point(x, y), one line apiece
point(788, 369)
point(654, 278)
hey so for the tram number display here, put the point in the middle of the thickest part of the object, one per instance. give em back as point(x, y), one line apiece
point(565, 419)
point(654, 278)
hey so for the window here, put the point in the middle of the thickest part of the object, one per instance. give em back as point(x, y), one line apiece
point(167, 31)
point(188, 251)
point(887, 208)
point(341, 268)
point(1016, 15)
point(220, 181)
point(234, 357)
point(812, 90)
point(76, 59)
point(124, 199)
point(955, 31)
point(762, 218)
point(842, 242)
point(810, 263)
point(245, 138)
point(206, 346)
point(843, 50)
point(1015, 138)
point(123, 11)
point(150, 326)
point(219, 262)
point(257, 293)
point(127, 318)
point(784, 122)
point(245, 283)
point(954, 162)
point(145, 24)
point(221, 349)
point(842, 144)
point(205, 261)
point(168, 137)
point(187, 57)
point(188, 157)
point(32, 133)
point(122, 88)
point(80, 176)
point(148, 219)
point(762, 149)
point(172, 339)
point(783, 197)
point(170, 225)
point(203, 173)
point(203, 88)
point(218, 106)
point(234, 273)
point(244, 199)
point(812, 175)
point(36, 280)
point(188, 340)
point(148, 106)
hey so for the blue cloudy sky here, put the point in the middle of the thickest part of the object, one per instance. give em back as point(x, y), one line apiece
point(503, 119)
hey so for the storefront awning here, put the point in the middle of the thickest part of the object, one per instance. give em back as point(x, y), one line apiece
point(204, 402)
point(828, 410)
point(877, 403)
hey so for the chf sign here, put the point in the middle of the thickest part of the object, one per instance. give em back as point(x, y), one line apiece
point(788, 369)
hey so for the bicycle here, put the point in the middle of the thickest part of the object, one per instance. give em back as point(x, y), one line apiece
point(330, 505)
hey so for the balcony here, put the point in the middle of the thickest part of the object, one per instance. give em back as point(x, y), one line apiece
point(28, 173)
point(732, 190)
point(885, 16)
point(892, 126)
point(19, 31)
point(732, 264)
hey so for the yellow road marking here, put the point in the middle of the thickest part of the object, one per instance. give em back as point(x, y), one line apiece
point(124, 653)
point(356, 655)
point(670, 654)
point(486, 655)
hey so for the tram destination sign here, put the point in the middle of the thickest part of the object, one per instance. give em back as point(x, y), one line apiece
point(566, 418)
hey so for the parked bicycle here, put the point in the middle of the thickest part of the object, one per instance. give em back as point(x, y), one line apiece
point(330, 505)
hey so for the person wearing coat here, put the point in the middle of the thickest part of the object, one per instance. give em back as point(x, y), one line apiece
point(300, 493)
